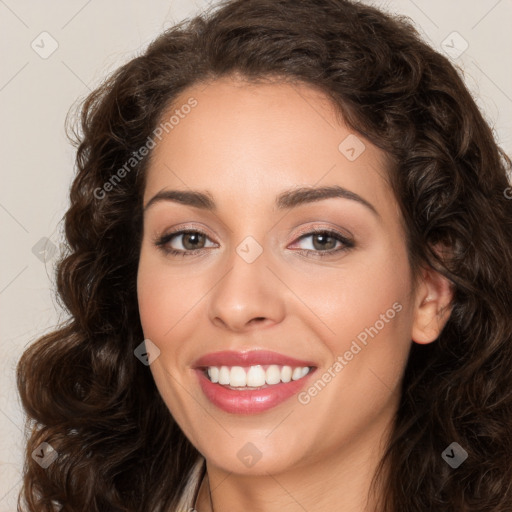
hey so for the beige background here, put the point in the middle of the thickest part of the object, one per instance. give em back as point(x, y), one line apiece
point(94, 38)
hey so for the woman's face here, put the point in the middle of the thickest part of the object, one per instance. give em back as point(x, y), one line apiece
point(257, 279)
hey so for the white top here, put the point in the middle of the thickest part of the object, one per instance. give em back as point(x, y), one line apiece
point(189, 495)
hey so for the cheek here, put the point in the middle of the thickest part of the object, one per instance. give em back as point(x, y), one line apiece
point(158, 297)
point(369, 317)
point(170, 301)
point(355, 296)
point(149, 296)
point(162, 303)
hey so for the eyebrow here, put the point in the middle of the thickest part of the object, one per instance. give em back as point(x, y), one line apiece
point(284, 201)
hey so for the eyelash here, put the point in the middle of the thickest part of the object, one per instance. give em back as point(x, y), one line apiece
point(347, 243)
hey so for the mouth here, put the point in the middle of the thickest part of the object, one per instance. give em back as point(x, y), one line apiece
point(254, 377)
point(250, 382)
point(254, 397)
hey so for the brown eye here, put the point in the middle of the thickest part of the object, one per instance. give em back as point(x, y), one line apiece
point(324, 243)
point(193, 240)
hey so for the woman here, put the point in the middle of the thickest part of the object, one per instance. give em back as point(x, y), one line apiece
point(289, 279)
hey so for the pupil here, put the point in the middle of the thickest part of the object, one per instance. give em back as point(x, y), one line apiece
point(187, 239)
point(323, 240)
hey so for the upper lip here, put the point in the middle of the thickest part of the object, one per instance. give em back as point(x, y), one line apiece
point(248, 358)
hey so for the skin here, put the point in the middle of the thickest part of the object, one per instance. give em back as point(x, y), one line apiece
point(245, 144)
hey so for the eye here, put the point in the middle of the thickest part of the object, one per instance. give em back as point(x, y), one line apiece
point(323, 244)
point(324, 241)
point(191, 239)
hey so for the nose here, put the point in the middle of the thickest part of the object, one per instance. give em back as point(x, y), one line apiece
point(248, 295)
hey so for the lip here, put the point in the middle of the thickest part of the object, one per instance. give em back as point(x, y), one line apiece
point(250, 401)
point(248, 358)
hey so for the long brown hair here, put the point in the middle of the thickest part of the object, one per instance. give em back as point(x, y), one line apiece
point(85, 393)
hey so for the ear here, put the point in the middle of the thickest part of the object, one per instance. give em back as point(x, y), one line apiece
point(433, 306)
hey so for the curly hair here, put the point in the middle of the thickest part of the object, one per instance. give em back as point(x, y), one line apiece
point(84, 392)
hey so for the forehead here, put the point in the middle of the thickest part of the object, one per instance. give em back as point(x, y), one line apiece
point(250, 141)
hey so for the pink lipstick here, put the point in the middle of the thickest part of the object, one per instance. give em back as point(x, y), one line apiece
point(251, 382)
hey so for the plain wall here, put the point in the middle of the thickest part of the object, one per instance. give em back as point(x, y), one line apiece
point(37, 163)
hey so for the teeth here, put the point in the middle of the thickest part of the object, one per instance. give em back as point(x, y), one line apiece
point(255, 376)
point(297, 373)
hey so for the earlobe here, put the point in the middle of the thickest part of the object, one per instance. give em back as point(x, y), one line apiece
point(433, 306)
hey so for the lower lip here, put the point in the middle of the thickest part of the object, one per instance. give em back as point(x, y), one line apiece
point(250, 401)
